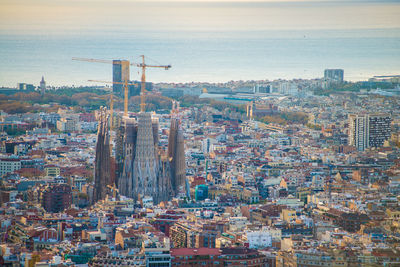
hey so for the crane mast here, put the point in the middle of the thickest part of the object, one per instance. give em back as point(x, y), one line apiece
point(143, 88)
point(126, 98)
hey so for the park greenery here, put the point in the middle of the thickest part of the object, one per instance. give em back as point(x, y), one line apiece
point(190, 101)
point(15, 132)
point(83, 99)
point(285, 118)
point(87, 99)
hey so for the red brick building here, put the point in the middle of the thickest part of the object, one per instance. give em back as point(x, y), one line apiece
point(163, 222)
point(196, 257)
point(56, 198)
point(242, 256)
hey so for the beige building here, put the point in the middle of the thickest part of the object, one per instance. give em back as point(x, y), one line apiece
point(288, 215)
point(68, 125)
point(52, 171)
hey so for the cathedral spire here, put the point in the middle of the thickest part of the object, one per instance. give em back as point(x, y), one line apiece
point(102, 176)
point(145, 172)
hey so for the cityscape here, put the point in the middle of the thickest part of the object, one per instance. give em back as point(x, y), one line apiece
point(139, 170)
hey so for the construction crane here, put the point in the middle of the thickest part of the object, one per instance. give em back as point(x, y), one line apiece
point(125, 92)
point(142, 65)
point(93, 60)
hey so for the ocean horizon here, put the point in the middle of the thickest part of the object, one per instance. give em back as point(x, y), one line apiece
point(204, 42)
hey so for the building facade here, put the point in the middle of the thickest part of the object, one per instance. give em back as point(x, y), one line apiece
point(369, 130)
point(9, 165)
point(120, 75)
point(56, 198)
point(68, 125)
point(335, 75)
point(379, 129)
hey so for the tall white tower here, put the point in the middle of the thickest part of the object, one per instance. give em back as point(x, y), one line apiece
point(369, 130)
point(358, 131)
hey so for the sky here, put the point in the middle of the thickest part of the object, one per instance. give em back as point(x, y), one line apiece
point(90, 16)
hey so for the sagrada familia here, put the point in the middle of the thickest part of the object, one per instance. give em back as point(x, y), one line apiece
point(141, 167)
point(102, 176)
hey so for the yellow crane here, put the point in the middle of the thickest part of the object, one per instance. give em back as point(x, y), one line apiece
point(125, 96)
point(93, 60)
point(142, 65)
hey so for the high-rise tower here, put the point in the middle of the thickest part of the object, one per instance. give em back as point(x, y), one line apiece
point(335, 75)
point(379, 129)
point(358, 132)
point(102, 175)
point(120, 75)
point(369, 130)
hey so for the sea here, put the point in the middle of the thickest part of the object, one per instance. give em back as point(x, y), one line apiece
point(200, 54)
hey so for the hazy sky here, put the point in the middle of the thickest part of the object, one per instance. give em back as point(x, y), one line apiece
point(80, 16)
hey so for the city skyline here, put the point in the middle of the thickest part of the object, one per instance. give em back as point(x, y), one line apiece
point(229, 133)
point(200, 133)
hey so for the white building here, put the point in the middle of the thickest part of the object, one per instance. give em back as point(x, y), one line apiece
point(288, 88)
point(207, 145)
point(49, 143)
point(238, 223)
point(9, 165)
point(88, 126)
point(259, 239)
point(358, 132)
point(318, 182)
point(369, 130)
point(147, 202)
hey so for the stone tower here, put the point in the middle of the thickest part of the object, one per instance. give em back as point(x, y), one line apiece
point(145, 165)
point(42, 86)
point(129, 143)
point(144, 172)
point(119, 148)
point(102, 175)
point(176, 155)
